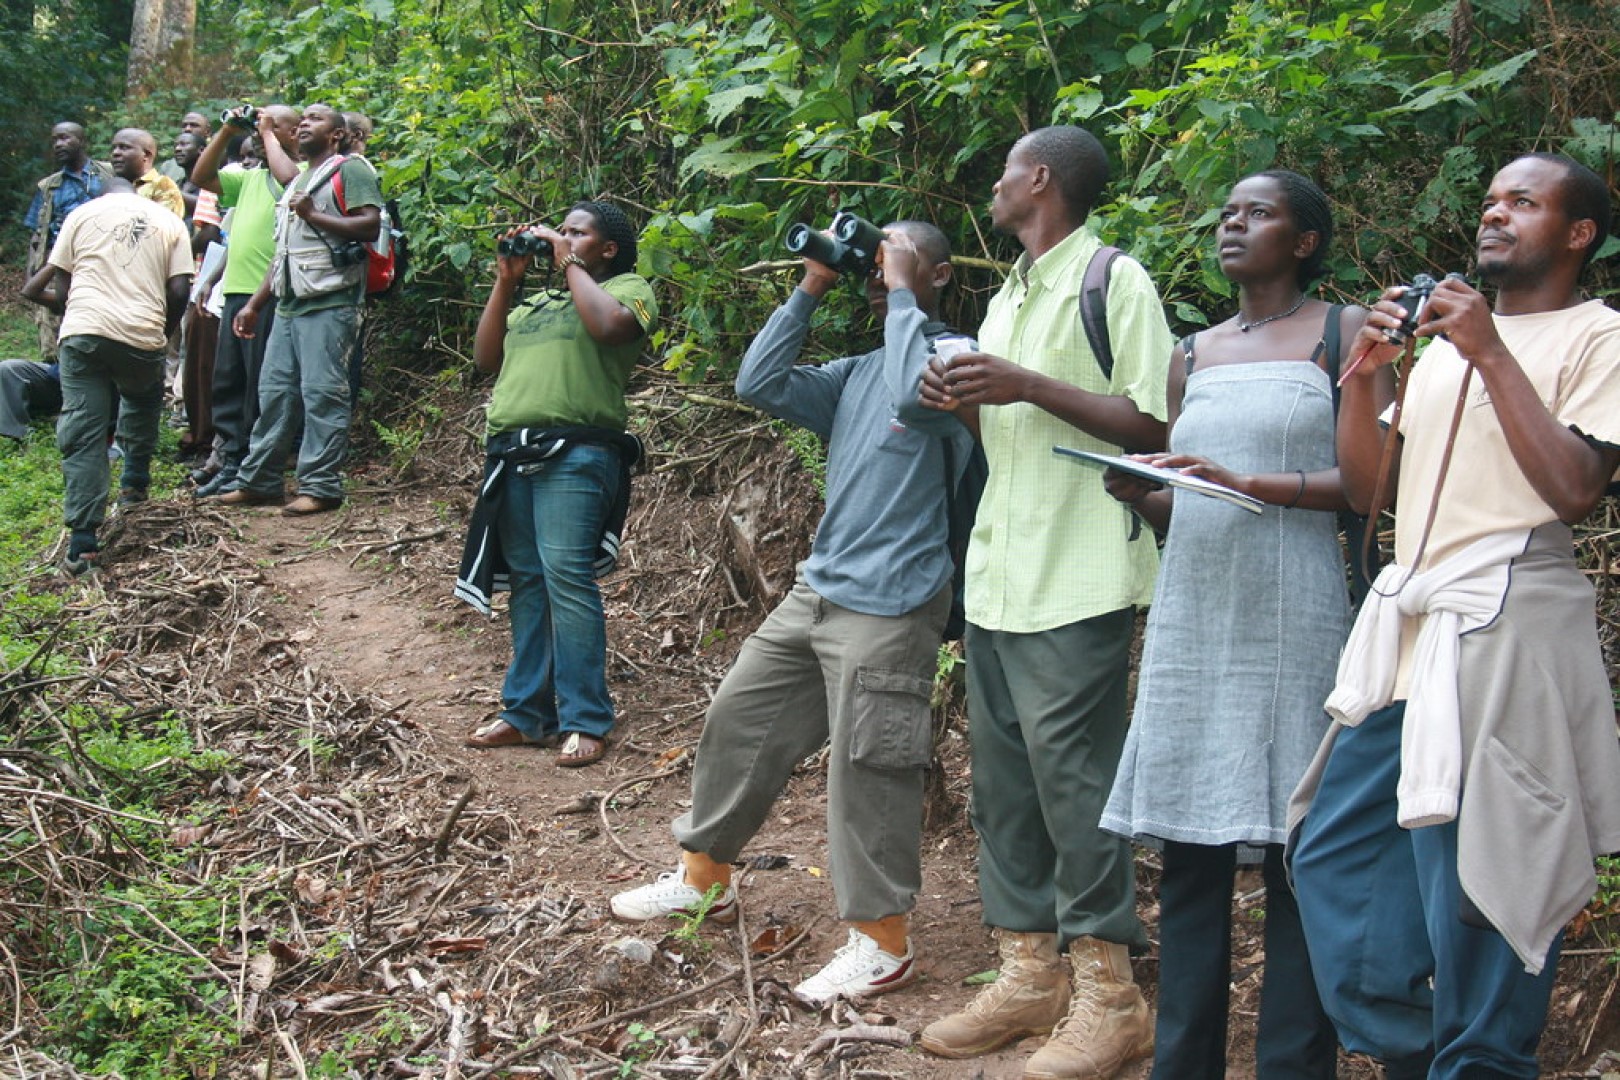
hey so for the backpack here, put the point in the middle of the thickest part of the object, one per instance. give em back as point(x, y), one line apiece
point(961, 506)
point(385, 256)
point(1094, 306)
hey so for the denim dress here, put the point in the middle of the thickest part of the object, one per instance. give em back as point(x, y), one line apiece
point(1247, 623)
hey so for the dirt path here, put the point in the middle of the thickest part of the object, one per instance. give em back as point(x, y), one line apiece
point(366, 592)
point(392, 631)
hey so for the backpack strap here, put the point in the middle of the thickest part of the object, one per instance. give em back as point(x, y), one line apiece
point(1187, 352)
point(1330, 349)
point(1094, 306)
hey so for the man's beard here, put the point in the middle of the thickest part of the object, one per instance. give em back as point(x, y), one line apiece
point(1505, 274)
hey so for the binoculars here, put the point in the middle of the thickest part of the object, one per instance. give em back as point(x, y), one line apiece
point(525, 243)
point(242, 117)
point(851, 249)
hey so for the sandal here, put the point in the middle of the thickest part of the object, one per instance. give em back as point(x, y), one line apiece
point(579, 750)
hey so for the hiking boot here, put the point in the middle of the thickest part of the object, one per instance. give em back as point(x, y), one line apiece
point(130, 496)
point(670, 895)
point(1108, 1024)
point(1029, 996)
point(859, 969)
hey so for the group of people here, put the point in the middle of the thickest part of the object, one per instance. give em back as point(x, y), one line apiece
point(236, 255)
point(1424, 786)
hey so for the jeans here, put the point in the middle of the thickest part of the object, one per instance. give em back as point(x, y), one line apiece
point(1400, 973)
point(96, 372)
point(549, 524)
point(1295, 1040)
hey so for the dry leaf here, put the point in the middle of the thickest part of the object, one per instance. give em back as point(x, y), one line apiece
point(261, 972)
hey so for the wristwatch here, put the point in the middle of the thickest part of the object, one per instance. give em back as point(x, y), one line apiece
point(572, 260)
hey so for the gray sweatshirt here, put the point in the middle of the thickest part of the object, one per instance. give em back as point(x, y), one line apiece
point(881, 545)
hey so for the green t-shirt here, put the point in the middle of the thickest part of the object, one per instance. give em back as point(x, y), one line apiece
point(253, 192)
point(360, 188)
point(555, 374)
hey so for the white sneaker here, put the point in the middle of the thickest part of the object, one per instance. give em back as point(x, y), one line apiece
point(671, 895)
point(859, 969)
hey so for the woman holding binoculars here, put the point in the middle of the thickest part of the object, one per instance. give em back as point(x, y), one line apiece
point(557, 470)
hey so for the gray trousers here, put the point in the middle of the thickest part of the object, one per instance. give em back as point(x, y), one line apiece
point(28, 389)
point(812, 672)
point(1047, 722)
point(305, 379)
point(96, 372)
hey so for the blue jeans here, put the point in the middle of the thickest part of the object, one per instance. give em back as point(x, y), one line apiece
point(1404, 978)
point(549, 524)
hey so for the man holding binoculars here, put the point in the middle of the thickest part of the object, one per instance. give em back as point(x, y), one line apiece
point(849, 655)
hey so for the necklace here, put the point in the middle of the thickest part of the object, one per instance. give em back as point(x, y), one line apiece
point(1245, 327)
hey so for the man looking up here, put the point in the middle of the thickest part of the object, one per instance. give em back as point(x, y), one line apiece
point(133, 153)
point(254, 193)
point(318, 275)
point(1055, 571)
point(862, 625)
point(123, 272)
point(77, 180)
point(1452, 815)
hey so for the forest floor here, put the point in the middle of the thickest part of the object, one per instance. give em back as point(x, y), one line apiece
point(405, 906)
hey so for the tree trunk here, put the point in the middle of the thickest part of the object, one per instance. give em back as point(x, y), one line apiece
point(160, 45)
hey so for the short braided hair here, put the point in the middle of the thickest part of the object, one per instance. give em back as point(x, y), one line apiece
point(615, 226)
point(1308, 206)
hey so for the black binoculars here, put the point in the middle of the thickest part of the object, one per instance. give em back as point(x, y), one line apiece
point(851, 249)
point(242, 117)
point(525, 243)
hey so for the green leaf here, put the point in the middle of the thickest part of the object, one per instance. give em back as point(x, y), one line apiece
point(717, 157)
point(725, 102)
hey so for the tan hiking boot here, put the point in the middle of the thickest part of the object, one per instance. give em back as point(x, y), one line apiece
point(1029, 996)
point(1108, 1024)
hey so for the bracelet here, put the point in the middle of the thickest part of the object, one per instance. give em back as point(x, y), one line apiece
point(1298, 494)
point(572, 260)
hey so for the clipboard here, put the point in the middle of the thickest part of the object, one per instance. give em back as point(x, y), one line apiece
point(1167, 477)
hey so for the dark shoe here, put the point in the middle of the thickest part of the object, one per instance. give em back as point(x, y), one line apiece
point(305, 505)
point(128, 497)
point(580, 749)
point(218, 484)
point(249, 497)
point(501, 733)
point(80, 564)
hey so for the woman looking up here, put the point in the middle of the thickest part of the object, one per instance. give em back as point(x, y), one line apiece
point(557, 472)
point(1244, 635)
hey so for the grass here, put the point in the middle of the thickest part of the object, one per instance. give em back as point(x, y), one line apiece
point(119, 996)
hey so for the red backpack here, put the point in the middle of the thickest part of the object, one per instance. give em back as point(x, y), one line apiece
point(384, 255)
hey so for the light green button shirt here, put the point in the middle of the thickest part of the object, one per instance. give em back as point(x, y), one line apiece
point(1050, 547)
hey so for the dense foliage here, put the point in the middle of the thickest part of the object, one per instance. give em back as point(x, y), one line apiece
point(725, 123)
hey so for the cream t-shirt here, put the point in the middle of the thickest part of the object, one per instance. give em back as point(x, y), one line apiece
point(1572, 357)
point(121, 250)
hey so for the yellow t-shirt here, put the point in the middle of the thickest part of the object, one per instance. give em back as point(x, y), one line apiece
point(1572, 358)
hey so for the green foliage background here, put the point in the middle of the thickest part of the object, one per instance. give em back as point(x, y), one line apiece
point(723, 123)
